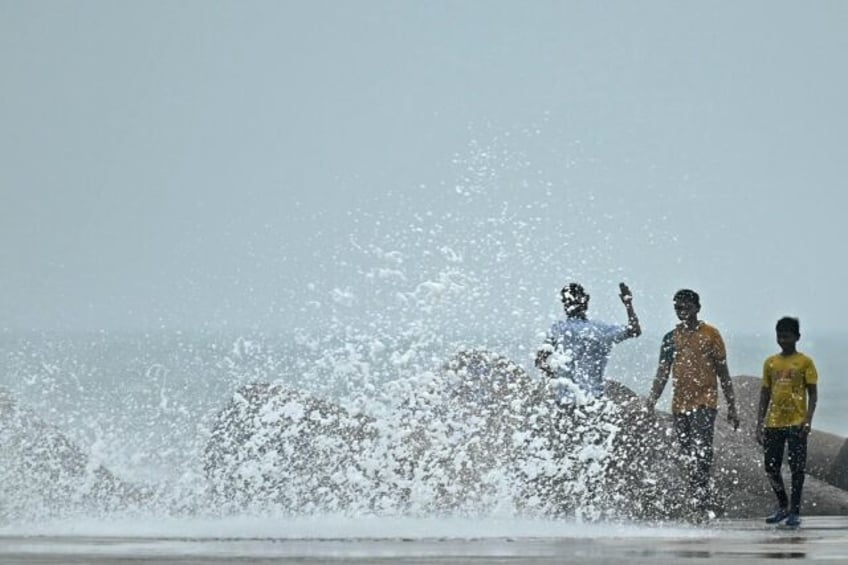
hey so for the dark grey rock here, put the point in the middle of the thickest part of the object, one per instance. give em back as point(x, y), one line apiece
point(482, 431)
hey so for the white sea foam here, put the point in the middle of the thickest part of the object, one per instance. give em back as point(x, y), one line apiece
point(143, 407)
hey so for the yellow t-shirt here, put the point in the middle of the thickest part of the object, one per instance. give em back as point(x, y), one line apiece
point(788, 376)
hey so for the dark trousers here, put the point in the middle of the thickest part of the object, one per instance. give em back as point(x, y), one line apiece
point(774, 440)
point(695, 435)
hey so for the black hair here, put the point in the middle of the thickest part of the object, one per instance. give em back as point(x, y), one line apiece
point(573, 297)
point(788, 324)
point(688, 296)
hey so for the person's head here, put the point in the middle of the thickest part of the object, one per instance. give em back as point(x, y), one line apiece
point(788, 332)
point(687, 304)
point(575, 300)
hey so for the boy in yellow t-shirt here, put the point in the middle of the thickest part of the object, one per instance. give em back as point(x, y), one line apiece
point(787, 403)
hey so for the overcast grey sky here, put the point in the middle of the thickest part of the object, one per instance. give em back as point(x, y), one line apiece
point(203, 164)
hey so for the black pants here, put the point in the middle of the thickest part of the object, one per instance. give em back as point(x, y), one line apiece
point(695, 435)
point(774, 440)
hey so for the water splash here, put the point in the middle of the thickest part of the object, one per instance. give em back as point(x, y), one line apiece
point(355, 411)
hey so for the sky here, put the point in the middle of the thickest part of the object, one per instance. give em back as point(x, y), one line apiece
point(276, 165)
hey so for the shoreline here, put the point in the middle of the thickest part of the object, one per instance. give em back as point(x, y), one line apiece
point(820, 537)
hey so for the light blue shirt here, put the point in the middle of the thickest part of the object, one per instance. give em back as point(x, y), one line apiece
point(580, 352)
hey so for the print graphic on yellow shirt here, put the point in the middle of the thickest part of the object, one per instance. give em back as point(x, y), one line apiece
point(787, 376)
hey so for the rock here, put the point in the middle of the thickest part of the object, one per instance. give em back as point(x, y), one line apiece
point(739, 474)
point(274, 445)
point(482, 432)
point(43, 473)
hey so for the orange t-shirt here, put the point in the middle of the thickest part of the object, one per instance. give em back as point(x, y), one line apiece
point(694, 356)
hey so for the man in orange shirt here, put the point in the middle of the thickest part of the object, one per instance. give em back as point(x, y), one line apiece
point(694, 354)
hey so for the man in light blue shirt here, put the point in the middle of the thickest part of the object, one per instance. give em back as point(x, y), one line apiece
point(576, 349)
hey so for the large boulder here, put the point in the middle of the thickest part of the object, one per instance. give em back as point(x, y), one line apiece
point(43, 473)
point(646, 479)
point(739, 473)
point(272, 445)
point(444, 444)
point(467, 432)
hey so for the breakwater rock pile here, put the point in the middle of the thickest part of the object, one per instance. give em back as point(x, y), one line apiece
point(481, 435)
point(477, 436)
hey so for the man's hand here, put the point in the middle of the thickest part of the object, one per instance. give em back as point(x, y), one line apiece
point(542, 360)
point(625, 294)
point(760, 434)
point(733, 417)
point(805, 429)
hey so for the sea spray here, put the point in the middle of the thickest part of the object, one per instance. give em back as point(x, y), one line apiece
point(353, 409)
point(477, 435)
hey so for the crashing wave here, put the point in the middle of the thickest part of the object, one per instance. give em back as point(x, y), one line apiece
point(481, 435)
point(477, 436)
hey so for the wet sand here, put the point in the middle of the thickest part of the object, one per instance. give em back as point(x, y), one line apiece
point(819, 538)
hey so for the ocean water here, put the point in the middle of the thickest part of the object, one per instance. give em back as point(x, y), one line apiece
point(379, 313)
point(144, 405)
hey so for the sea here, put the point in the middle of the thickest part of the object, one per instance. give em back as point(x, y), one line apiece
point(143, 405)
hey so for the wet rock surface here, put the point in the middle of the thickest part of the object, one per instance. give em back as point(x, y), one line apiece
point(482, 433)
point(43, 471)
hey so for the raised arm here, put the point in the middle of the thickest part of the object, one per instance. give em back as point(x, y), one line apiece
point(633, 327)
